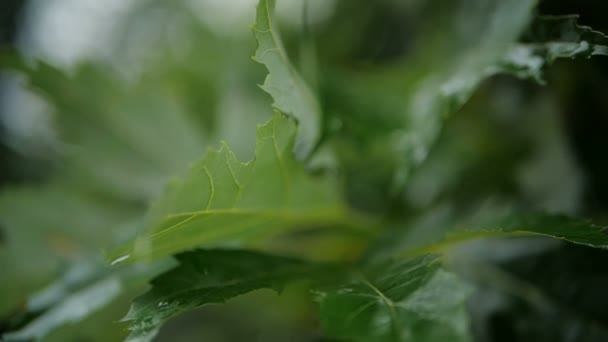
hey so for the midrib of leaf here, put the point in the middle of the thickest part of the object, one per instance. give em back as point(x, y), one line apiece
point(211, 188)
point(328, 216)
point(390, 304)
point(239, 192)
point(456, 238)
point(379, 302)
point(395, 322)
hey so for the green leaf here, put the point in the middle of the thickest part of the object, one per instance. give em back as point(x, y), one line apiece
point(513, 225)
point(223, 201)
point(289, 90)
point(404, 300)
point(550, 38)
point(206, 277)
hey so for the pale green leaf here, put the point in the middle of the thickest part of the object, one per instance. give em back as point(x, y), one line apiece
point(289, 90)
point(405, 300)
point(224, 201)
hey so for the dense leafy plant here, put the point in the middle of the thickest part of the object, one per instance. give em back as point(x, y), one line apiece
point(355, 190)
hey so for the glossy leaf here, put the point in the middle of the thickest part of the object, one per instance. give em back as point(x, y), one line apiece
point(207, 277)
point(289, 90)
point(405, 300)
point(223, 201)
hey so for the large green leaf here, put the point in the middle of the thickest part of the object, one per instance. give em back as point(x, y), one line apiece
point(289, 90)
point(206, 277)
point(405, 300)
point(223, 201)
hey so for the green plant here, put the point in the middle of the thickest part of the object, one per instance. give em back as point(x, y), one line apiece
point(347, 191)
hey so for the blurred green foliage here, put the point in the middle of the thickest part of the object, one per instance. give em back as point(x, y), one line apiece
point(423, 122)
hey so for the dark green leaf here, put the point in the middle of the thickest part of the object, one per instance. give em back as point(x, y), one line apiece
point(206, 277)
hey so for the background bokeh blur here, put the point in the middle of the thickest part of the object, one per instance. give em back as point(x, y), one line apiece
point(129, 93)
